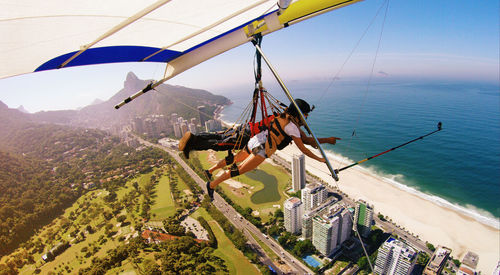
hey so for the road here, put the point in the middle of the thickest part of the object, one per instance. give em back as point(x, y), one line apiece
point(241, 223)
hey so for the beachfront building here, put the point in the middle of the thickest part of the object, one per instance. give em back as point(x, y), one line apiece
point(313, 195)
point(203, 114)
point(307, 224)
point(192, 128)
point(395, 258)
point(469, 264)
point(177, 130)
point(298, 172)
point(363, 217)
point(437, 261)
point(213, 125)
point(293, 215)
point(331, 228)
point(497, 269)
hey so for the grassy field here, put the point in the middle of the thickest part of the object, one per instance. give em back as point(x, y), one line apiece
point(262, 190)
point(88, 210)
point(235, 261)
point(164, 204)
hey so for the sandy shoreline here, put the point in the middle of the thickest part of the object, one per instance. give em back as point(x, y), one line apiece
point(431, 222)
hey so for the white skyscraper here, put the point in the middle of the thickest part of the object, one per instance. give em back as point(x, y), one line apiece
point(331, 228)
point(293, 215)
point(345, 230)
point(192, 128)
point(298, 172)
point(177, 130)
point(395, 257)
point(313, 195)
point(307, 223)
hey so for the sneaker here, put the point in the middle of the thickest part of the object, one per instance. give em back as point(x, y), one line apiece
point(208, 174)
point(184, 144)
point(210, 191)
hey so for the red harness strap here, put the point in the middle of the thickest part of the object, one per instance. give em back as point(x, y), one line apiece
point(257, 127)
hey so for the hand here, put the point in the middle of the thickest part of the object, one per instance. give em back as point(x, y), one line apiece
point(322, 160)
point(333, 140)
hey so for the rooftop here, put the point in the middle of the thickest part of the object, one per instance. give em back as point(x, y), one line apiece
point(471, 259)
point(439, 256)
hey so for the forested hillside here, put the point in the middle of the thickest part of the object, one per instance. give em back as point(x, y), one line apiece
point(44, 168)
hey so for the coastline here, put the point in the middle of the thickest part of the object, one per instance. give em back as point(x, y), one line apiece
point(432, 218)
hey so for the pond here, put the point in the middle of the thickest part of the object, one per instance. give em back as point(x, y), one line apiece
point(270, 192)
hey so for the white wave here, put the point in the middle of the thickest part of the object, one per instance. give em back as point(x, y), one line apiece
point(398, 180)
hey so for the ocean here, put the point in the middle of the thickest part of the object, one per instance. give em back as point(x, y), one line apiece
point(458, 167)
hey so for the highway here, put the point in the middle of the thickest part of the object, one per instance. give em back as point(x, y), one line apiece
point(241, 223)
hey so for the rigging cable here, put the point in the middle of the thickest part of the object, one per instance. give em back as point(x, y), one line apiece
point(369, 79)
point(386, 3)
point(336, 77)
point(363, 104)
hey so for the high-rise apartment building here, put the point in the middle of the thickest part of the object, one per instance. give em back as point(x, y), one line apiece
point(203, 114)
point(293, 215)
point(298, 172)
point(363, 217)
point(177, 130)
point(192, 128)
point(331, 227)
point(313, 195)
point(395, 258)
point(307, 225)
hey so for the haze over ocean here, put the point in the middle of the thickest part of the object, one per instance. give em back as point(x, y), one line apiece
point(458, 167)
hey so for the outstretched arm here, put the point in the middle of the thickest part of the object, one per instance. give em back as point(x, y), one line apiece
point(307, 152)
point(310, 140)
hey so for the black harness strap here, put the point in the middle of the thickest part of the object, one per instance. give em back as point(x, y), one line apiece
point(234, 171)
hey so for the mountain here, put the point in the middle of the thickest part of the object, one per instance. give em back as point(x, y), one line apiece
point(21, 108)
point(11, 120)
point(165, 99)
point(97, 101)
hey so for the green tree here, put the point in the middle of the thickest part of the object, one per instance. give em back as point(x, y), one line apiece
point(302, 248)
point(121, 218)
point(423, 258)
point(151, 267)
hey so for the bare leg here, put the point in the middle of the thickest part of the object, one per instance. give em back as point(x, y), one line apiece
point(239, 157)
point(250, 163)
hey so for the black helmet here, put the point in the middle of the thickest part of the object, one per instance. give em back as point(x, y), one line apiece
point(303, 106)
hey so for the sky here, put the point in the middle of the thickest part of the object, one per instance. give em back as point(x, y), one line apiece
point(423, 40)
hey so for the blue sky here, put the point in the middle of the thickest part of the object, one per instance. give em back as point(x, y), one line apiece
point(423, 40)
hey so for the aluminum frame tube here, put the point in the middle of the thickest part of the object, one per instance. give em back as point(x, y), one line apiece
point(290, 97)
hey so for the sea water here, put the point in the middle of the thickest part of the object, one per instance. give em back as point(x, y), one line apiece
point(457, 167)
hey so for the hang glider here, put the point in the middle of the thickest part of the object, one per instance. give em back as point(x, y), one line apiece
point(54, 34)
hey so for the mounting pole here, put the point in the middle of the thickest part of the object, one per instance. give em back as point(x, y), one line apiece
point(289, 95)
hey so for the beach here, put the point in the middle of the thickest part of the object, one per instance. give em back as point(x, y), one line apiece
point(431, 221)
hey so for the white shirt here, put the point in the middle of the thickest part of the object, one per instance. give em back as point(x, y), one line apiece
point(290, 129)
